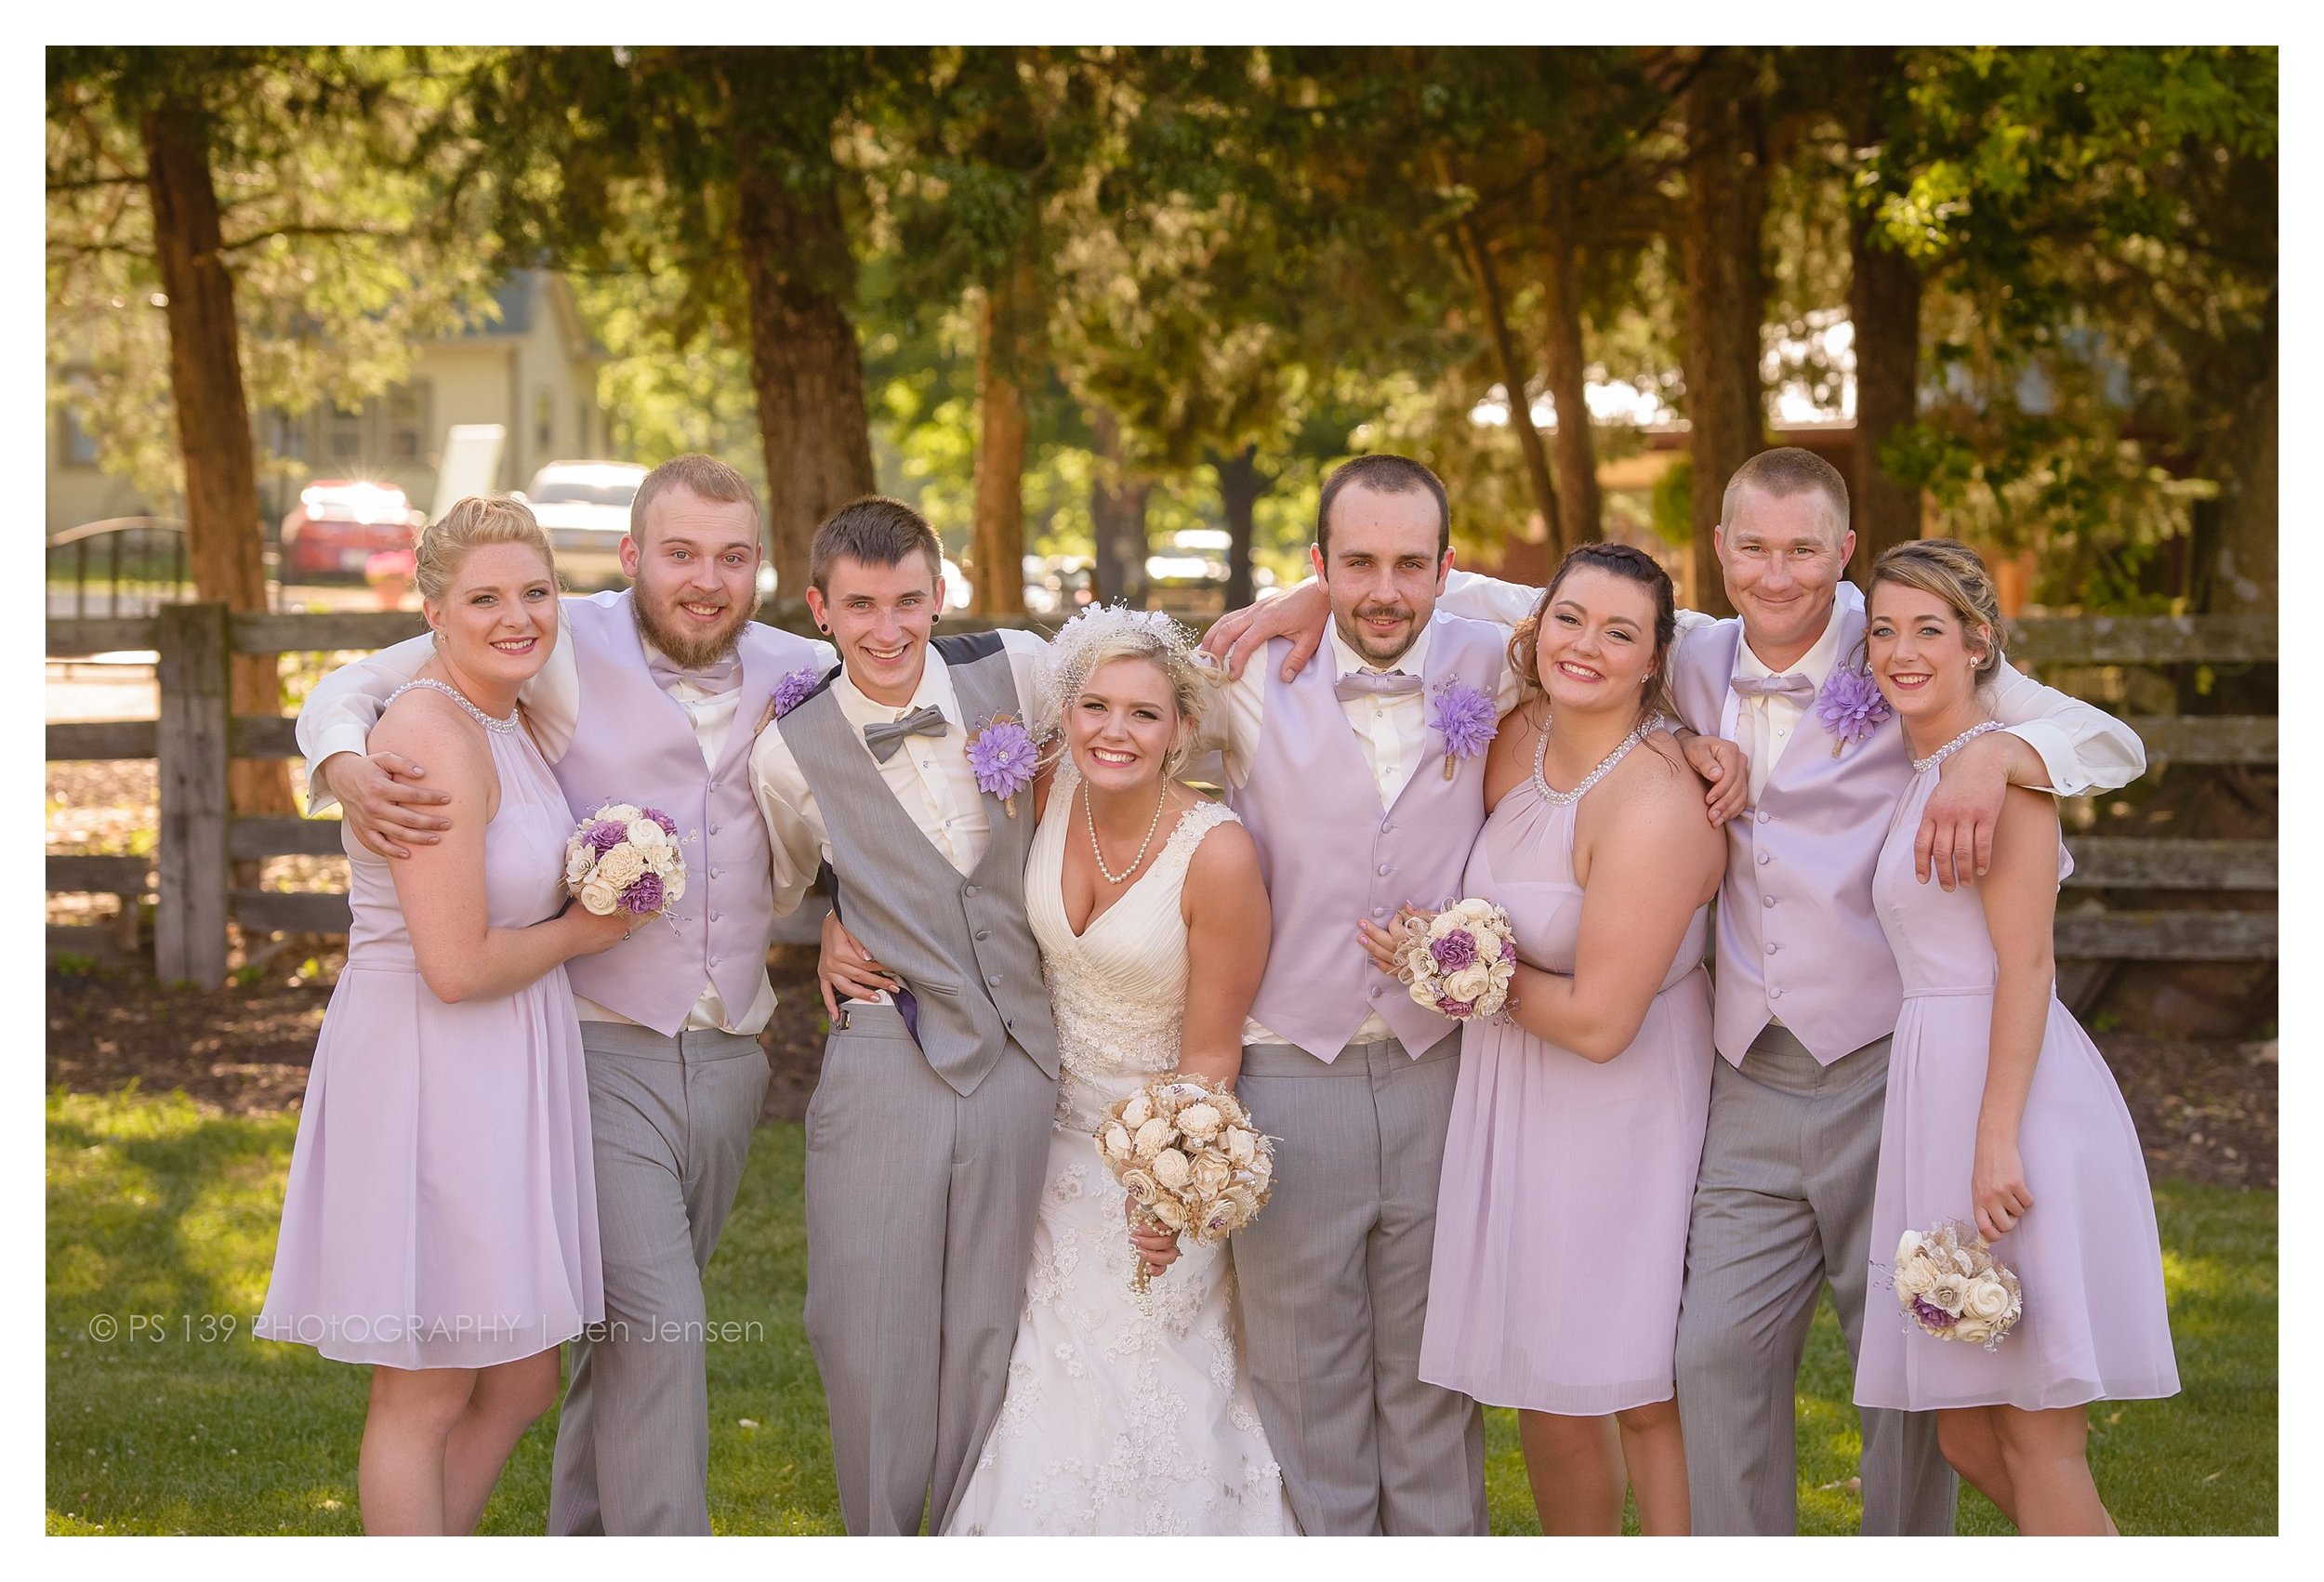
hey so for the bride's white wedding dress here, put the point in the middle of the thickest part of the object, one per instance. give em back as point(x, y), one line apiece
point(1124, 1414)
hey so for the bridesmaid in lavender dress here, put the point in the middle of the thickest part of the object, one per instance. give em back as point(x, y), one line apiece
point(1998, 1105)
point(441, 1222)
point(1577, 1125)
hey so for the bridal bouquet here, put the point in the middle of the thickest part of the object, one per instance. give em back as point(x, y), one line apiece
point(625, 858)
point(1460, 961)
point(1949, 1283)
point(1185, 1150)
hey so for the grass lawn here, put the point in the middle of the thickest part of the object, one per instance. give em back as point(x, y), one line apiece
point(161, 1216)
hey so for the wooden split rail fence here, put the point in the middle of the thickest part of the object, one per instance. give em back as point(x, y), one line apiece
point(199, 838)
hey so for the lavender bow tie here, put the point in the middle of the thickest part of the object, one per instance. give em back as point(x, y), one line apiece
point(722, 676)
point(883, 737)
point(1790, 684)
point(1375, 683)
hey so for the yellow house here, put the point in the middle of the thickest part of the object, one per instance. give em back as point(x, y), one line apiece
point(533, 370)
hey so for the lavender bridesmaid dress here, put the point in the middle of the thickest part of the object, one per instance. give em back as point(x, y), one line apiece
point(2094, 1324)
point(1562, 1212)
point(442, 1209)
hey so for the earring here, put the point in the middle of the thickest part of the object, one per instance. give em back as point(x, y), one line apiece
point(823, 630)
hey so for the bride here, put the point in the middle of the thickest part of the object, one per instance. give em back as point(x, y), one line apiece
point(1124, 1414)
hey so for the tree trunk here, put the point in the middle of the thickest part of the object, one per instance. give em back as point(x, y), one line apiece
point(1241, 485)
point(1566, 364)
point(2239, 568)
point(1884, 311)
point(1118, 518)
point(806, 369)
point(1720, 235)
point(1003, 359)
point(224, 535)
point(1486, 278)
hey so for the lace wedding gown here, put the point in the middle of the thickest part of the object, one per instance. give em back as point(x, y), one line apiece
point(1124, 1414)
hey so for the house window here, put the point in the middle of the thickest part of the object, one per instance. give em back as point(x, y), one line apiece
point(544, 422)
point(581, 428)
point(408, 421)
point(343, 434)
point(76, 447)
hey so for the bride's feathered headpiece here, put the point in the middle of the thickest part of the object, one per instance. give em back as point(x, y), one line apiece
point(1109, 631)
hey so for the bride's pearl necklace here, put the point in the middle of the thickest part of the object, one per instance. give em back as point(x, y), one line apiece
point(1088, 820)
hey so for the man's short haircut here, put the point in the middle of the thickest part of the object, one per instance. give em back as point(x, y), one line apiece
point(1786, 471)
point(1383, 474)
point(706, 475)
point(878, 532)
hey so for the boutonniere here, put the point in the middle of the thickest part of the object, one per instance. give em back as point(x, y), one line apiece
point(1003, 758)
point(789, 693)
point(1851, 707)
point(1464, 717)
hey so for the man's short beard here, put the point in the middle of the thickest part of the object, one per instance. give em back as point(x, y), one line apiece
point(1355, 637)
point(688, 653)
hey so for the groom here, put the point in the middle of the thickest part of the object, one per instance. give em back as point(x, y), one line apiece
point(928, 1130)
point(648, 697)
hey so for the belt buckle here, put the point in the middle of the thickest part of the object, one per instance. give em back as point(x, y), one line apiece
point(840, 1022)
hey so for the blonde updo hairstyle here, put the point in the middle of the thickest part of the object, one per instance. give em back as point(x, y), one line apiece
point(1104, 634)
point(1950, 570)
point(470, 524)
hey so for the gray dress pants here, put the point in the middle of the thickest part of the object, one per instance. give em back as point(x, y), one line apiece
point(1783, 1205)
point(1333, 1283)
point(921, 1207)
point(670, 1122)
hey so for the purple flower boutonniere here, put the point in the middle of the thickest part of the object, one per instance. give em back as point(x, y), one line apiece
point(792, 689)
point(1464, 717)
point(1851, 707)
point(1003, 758)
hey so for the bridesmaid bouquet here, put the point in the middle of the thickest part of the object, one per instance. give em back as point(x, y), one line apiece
point(625, 858)
point(1460, 961)
point(1949, 1283)
point(1185, 1150)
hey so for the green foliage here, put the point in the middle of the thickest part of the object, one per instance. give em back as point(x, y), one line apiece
point(331, 195)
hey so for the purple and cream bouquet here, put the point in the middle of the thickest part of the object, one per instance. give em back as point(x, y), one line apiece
point(1460, 961)
point(1185, 1150)
point(1949, 1281)
point(625, 858)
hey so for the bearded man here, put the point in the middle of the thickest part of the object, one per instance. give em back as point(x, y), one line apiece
point(651, 696)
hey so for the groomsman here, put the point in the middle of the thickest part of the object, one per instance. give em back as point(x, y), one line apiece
point(928, 1129)
point(649, 697)
point(1357, 807)
point(1807, 992)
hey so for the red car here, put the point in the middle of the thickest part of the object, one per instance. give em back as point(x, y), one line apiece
point(341, 524)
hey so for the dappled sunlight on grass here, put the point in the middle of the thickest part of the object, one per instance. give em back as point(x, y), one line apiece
point(160, 1208)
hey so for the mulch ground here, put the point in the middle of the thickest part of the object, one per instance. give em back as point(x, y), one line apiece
point(2206, 1112)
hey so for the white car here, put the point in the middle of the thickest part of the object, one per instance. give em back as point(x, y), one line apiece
point(584, 506)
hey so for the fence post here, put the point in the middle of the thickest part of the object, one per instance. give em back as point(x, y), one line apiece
point(189, 859)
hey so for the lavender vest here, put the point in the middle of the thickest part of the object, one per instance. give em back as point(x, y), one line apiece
point(961, 943)
point(1329, 855)
point(634, 742)
point(1798, 937)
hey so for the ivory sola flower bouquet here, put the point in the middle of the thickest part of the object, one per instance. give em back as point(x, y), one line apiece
point(1949, 1281)
point(1185, 1150)
point(625, 859)
point(1458, 962)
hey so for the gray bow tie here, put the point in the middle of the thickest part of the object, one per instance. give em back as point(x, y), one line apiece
point(1376, 683)
point(1790, 684)
point(884, 737)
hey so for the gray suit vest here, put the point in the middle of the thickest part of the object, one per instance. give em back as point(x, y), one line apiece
point(962, 944)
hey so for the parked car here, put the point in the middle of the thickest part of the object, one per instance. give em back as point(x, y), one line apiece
point(1058, 585)
point(339, 525)
point(584, 506)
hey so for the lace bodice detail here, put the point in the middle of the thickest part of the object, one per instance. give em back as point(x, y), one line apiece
point(1119, 991)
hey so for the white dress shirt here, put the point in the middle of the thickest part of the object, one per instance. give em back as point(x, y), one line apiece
point(1392, 733)
point(928, 775)
point(1765, 725)
point(331, 723)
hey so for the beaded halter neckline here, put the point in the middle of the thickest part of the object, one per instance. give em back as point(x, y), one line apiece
point(1921, 766)
point(497, 727)
point(1646, 728)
